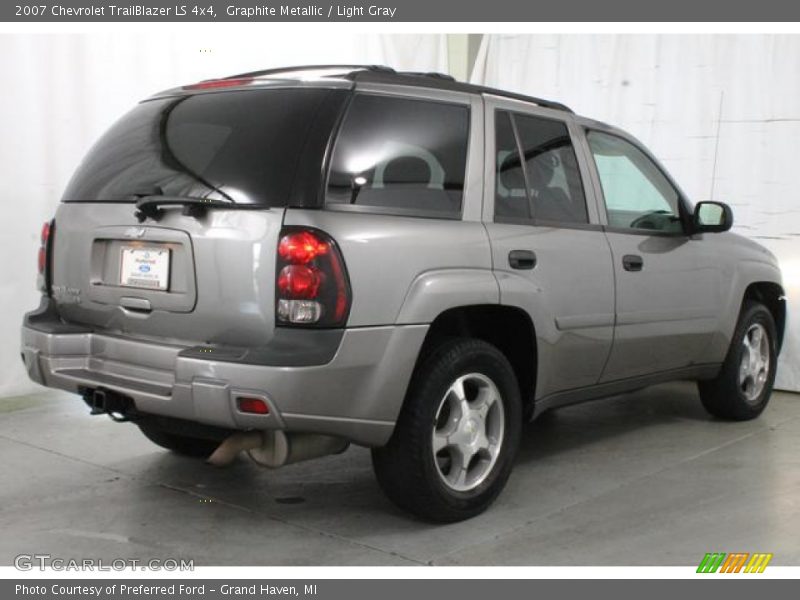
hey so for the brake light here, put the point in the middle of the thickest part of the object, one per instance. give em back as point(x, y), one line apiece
point(43, 257)
point(301, 247)
point(212, 84)
point(312, 288)
point(299, 281)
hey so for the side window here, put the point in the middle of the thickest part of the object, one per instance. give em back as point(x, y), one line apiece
point(636, 192)
point(555, 192)
point(401, 155)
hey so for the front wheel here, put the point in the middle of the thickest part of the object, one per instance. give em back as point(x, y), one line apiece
point(742, 389)
point(456, 438)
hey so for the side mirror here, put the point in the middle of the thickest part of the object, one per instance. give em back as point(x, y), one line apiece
point(712, 217)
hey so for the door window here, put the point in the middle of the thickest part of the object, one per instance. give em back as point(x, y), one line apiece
point(637, 194)
point(511, 196)
point(549, 189)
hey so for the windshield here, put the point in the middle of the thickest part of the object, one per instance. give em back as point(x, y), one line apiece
point(262, 147)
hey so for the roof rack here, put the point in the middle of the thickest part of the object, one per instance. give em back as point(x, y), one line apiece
point(433, 74)
point(346, 69)
point(384, 74)
point(446, 82)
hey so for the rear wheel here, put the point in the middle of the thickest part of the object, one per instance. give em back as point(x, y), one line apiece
point(180, 444)
point(743, 387)
point(455, 440)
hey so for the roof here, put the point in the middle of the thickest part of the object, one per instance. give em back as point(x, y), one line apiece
point(387, 75)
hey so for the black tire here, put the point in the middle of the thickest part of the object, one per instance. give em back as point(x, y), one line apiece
point(406, 468)
point(180, 444)
point(723, 396)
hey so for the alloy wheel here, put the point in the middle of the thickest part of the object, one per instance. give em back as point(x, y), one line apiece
point(468, 432)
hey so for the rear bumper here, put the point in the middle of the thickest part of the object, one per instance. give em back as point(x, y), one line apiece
point(356, 394)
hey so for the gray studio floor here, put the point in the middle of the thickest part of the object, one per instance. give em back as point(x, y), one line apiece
point(642, 479)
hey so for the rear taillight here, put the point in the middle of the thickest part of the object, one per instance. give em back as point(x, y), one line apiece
point(311, 287)
point(45, 235)
point(43, 257)
point(41, 260)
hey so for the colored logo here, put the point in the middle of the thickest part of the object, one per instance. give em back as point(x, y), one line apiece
point(736, 562)
point(144, 268)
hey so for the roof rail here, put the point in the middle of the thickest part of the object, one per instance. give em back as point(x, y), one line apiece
point(381, 73)
point(446, 82)
point(348, 69)
point(523, 97)
point(432, 74)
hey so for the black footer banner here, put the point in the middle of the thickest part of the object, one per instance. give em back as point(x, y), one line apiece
point(705, 586)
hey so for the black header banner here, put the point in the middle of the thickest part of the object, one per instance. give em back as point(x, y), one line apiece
point(473, 11)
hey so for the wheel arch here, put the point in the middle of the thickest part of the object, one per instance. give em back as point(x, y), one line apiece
point(508, 328)
point(433, 292)
point(771, 295)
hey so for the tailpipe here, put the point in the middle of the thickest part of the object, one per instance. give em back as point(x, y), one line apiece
point(230, 448)
point(275, 449)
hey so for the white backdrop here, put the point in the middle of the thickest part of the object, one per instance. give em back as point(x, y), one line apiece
point(722, 112)
point(62, 91)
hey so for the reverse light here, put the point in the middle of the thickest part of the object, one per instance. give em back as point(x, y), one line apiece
point(299, 311)
point(311, 288)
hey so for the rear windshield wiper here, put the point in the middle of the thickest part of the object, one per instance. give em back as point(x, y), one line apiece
point(150, 206)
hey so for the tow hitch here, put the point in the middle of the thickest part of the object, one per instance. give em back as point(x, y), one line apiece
point(103, 401)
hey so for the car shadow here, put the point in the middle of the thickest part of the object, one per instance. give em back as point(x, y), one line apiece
point(345, 483)
point(589, 423)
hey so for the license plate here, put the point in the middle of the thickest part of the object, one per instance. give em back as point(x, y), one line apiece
point(146, 268)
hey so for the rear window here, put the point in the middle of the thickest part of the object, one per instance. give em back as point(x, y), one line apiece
point(261, 147)
point(400, 156)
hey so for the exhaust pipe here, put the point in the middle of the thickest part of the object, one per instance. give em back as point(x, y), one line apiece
point(275, 449)
point(230, 448)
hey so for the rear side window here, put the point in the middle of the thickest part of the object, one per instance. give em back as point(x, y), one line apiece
point(554, 187)
point(401, 156)
point(261, 147)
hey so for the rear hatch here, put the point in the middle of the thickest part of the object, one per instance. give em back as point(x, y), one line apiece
point(181, 275)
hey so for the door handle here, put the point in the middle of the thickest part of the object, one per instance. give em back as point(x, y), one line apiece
point(632, 262)
point(522, 259)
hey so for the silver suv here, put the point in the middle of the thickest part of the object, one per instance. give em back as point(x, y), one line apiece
point(289, 261)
